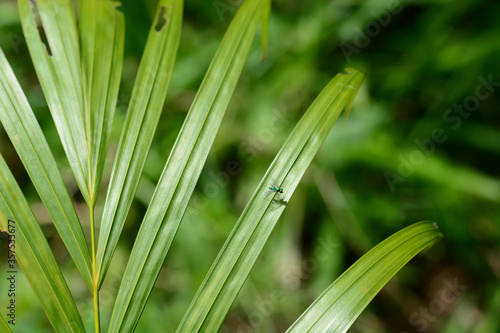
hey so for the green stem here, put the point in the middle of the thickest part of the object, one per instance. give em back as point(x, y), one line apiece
point(94, 273)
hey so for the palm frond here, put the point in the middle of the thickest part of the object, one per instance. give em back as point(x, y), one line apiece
point(341, 303)
point(243, 246)
point(35, 257)
point(184, 166)
point(28, 140)
point(146, 105)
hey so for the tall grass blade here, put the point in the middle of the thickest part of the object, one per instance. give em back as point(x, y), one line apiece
point(26, 135)
point(337, 308)
point(243, 246)
point(58, 66)
point(145, 108)
point(184, 166)
point(34, 256)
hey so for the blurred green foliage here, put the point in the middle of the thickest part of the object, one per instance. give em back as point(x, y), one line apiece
point(377, 172)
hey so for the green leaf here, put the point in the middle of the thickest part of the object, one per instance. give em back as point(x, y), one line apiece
point(58, 66)
point(265, 29)
point(243, 246)
point(4, 327)
point(184, 166)
point(337, 308)
point(34, 256)
point(102, 33)
point(28, 140)
point(145, 108)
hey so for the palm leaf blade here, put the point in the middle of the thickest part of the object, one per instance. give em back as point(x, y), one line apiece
point(244, 244)
point(102, 33)
point(184, 166)
point(337, 308)
point(35, 257)
point(28, 140)
point(146, 104)
point(4, 327)
point(58, 67)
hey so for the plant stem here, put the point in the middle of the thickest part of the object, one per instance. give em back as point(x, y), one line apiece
point(94, 273)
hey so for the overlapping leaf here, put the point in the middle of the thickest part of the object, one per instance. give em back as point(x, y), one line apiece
point(58, 66)
point(35, 257)
point(102, 33)
point(184, 166)
point(145, 108)
point(28, 140)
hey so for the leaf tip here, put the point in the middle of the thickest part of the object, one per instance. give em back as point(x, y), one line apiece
point(265, 29)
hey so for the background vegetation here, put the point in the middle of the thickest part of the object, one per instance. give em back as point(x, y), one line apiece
point(425, 57)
